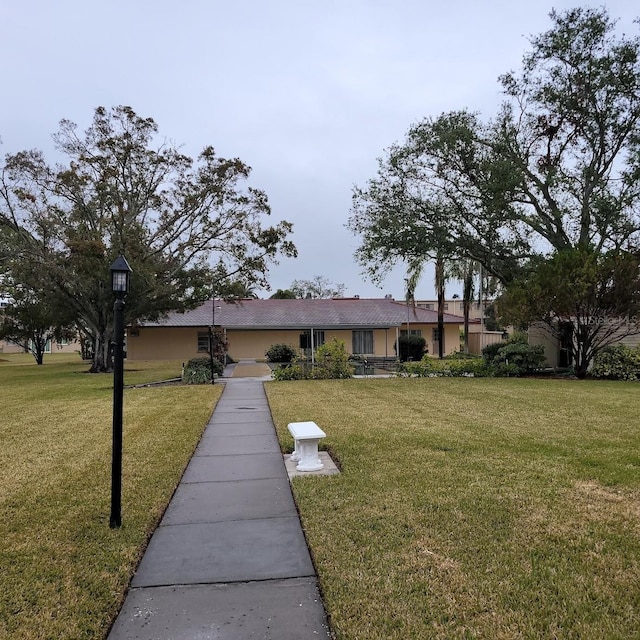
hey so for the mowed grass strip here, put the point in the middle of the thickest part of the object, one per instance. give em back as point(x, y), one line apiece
point(64, 571)
point(473, 508)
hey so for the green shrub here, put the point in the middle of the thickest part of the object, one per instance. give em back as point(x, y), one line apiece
point(460, 355)
point(412, 347)
point(280, 353)
point(430, 367)
point(507, 370)
point(332, 361)
point(514, 357)
point(491, 351)
point(617, 362)
point(424, 368)
point(471, 367)
point(198, 370)
point(291, 372)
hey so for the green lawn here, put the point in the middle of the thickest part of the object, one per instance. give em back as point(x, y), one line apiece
point(473, 508)
point(64, 571)
point(466, 508)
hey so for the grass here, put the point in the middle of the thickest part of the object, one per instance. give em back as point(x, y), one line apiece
point(473, 508)
point(64, 571)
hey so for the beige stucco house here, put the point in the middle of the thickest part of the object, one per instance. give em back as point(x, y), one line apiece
point(64, 346)
point(368, 327)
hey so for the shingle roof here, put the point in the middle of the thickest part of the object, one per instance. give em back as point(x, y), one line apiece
point(332, 313)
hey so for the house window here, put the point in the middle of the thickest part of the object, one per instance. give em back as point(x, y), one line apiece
point(446, 306)
point(435, 335)
point(63, 342)
point(413, 332)
point(362, 342)
point(425, 305)
point(203, 342)
point(305, 339)
point(47, 346)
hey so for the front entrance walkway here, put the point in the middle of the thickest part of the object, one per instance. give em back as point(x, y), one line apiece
point(229, 559)
point(251, 369)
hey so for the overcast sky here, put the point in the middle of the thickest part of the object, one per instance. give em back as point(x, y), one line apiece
point(308, 93)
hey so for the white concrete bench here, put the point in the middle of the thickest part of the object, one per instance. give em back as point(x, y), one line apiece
point(306, 436)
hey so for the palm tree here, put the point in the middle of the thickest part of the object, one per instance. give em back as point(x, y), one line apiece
point(465, 270)
point(414, 273)
point(237, 289)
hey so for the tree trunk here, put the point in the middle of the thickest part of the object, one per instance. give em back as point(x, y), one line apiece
point(37, 349)
point(465, 305)
point(583, 352)
point(467, 292)
point(581, 369)
point(440, 288)
point(102, 354)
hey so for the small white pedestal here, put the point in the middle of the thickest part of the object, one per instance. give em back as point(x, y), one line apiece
point(306, 436)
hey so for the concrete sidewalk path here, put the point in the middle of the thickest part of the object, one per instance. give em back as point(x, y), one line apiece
point(229, 560)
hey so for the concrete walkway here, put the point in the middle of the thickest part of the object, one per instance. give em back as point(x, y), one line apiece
point(229, 560)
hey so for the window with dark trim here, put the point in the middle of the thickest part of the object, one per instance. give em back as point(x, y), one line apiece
point(305, 339)
point(362, 342)
point(203, 342)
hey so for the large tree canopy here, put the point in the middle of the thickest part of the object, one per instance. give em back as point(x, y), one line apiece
point(558, 168)
point(184, 225)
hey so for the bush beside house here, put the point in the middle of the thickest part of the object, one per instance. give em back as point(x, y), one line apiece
point(331, 362)
point(617, 362)
point(198, 370)
point(280, 353)
point(450, 367)
point(514, 357)
point(410, 347)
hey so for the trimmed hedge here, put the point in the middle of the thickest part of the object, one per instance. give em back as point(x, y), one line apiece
point(450, 367)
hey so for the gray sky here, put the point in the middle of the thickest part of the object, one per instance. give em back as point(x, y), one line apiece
point(308, 94)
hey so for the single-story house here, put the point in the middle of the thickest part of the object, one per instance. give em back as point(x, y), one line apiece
point(368, 327)
point(62, 346)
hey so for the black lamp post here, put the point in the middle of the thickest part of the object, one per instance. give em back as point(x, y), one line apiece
point(120, 273)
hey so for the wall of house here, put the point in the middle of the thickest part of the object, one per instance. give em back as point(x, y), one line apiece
point(539, 335)
point(478, 341)
point(163, 343)
point(9, 347)
point(181, 343)
point(254, 344)
point(70, 347)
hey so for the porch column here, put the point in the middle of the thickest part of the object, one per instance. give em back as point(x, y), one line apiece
point(313, 348)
